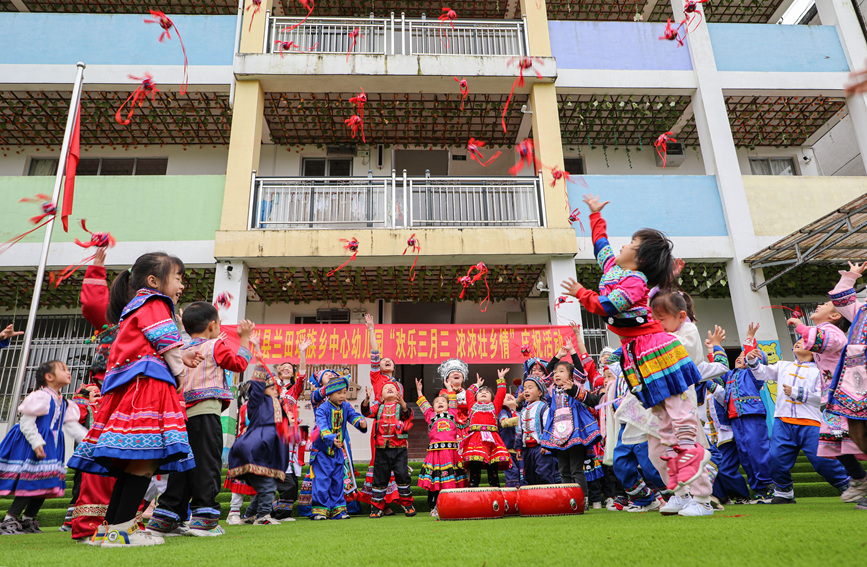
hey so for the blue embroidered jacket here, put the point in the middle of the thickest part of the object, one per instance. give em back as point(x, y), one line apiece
point(743, 389)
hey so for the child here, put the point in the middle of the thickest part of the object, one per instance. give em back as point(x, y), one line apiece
point(826, 341)
point(139, 430)
point(506, 425)
point(260, 456)
point(482, 446)
point(742, 409)
point(238, 487)
point(540, 467)
point(206, 395)
point(655, 363)
point(442, 467)
point(32, 453)
point(7, 334)
point(327, 457)
point(796, 421)
point(453, 373)
point(392, 420)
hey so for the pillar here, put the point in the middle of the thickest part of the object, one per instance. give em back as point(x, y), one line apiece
point(559, 270)
point(231, 277)
point(245, 144)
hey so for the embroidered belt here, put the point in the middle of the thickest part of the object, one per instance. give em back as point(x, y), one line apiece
point(441, 445)
point(482, 427)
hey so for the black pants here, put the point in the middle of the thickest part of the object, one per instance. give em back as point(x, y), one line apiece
point(287, 494)
point(199, 486)
point(27, 504)
point(388, 461)
point(852, 466)
point(571, 464)
point(475, 470)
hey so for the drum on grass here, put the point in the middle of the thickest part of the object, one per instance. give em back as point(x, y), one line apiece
point(550, 500)
point(510, 496)
point(470, 504)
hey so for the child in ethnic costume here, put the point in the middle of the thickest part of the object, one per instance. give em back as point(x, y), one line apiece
point(139, 430)
point(206, 394)
point(32, 453)
point(327, 459)
point(236, 486)
point(260, 456)
point(482, 447)
point(392, 420)
point(826, 341)
point(540, 467)
point(507, 424)
point(442, 467)
point(453, 373)
point(622, 298)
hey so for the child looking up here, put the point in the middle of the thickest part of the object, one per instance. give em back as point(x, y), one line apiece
point(326, 457)
point(539, 464)
point(483, 447)
point(392, 420)
point(796, 421)
point(32, 453)
point(453, 373)
point(139, 430)
point(442, 467)
point(507, 424)
point(655, 363)
point(206, 395)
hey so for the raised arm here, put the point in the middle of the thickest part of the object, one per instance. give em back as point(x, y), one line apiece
point(94, 292)
point(763, 372)
point(500, 396)
point(302, 359)
point(843, 295)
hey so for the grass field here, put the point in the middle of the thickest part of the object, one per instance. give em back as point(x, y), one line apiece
point(815, 531)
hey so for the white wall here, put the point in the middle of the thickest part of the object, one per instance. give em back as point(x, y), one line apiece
point(798, 153)
point(837, 152)
point(643, 161)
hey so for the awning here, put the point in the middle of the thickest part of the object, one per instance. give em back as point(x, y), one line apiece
point(836, 238)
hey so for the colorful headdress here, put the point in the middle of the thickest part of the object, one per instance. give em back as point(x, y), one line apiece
point(453, 365)
point(335, 385)
point(606, 350)
point(539, 382)
point(316, 377)
point(396, 384)
point(530, 363)
point(261, 374)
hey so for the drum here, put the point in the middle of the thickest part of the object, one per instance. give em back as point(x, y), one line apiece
point(510, 496)
point(470, 504)
point(551, 500)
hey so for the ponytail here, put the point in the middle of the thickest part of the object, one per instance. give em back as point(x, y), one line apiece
point(119, 295)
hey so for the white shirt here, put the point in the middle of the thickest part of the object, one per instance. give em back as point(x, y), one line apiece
point(806, 382)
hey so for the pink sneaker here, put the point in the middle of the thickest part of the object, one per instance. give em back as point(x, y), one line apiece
point(671, 457)
point(690, 463)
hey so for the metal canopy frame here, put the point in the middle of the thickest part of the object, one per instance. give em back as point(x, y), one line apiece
point(837, 237)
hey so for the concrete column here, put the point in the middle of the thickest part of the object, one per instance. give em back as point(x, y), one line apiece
point(558, 270)
point(841, 14)
point(253, 28)
point(244, 147)
point(720, 158)
point(537, 27)
point(231, 277)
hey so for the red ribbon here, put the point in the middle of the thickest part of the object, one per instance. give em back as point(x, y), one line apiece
point(465, 90)
point(49, 210)
point(470, 279)
point(307, 4)
point(523, 63)
point(167, 24)
point(795, 312)
point(352, 246)
point(416, 247)
point(355, 123)
point(690, 8)
point(223, 300)
point(138, 96)
point(526, 157)
point(473, 147)
point(353, 35)
point(449, 16)
point(284, 46)
point(97, 240)
point(661, 145)
point(673, 34)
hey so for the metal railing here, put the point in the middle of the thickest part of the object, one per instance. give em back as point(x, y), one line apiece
point(397, 36)
point(380, 202)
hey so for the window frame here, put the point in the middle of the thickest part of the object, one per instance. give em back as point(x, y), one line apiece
point(769, 159)
point(99, 167)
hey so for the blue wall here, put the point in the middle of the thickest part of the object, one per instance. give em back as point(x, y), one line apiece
point(615, 45)
point(104, 39)
point(678, 205)
point(770, 47)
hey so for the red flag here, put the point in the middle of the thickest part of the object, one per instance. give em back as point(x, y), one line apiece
point(71, 165)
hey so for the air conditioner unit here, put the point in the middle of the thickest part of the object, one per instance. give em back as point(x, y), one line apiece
point(334, 316)
point(674, 157)
point(340, 151)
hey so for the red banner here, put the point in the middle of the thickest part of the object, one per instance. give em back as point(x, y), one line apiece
point(409, 344)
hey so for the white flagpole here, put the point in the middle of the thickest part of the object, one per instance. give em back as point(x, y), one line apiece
point(46, 242)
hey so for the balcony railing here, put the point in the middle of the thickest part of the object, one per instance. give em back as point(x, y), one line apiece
point(397, 36)
point(283, 203)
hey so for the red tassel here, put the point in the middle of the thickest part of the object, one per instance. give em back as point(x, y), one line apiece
point(523, 63)
point(167, 24)
point(49, 210)
point(449, 16)
point(352, 246)
point(416, 247)
point(470, 279)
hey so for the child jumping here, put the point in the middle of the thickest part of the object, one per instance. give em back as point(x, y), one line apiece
point(32, 453)
point(655, 363)
point(139, 430)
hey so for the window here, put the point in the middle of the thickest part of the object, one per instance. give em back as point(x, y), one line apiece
point(304, 320)
point(574, 165)
point(806, 309)
point(772, 166)
point(104, 166)
point(322, 167)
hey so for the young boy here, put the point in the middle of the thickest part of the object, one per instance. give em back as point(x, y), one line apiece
point(539, 465)
point(326, 457)
point(392, 420)
point(206, 395)
point(796, 421)
point(507, 423)
point(742, 409)
point(261, 455)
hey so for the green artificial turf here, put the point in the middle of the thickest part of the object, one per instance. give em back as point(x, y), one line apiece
point(815, 531)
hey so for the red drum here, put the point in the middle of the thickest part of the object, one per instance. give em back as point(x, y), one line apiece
point(510, 495)
point(551, 500)
point(470, 504)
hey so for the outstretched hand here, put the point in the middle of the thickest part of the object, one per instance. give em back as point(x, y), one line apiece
point(479, 381)
point(368, 321)
point(418, 387)
point(9, 332)
point(594, 203)
point(571, 287)
point(858, 268)
point(751, 330)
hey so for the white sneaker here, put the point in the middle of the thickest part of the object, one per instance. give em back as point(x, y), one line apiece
point(652, 507)
point(609, 505)
point(129, 534)
point(597, 505)
point(234, 519)
point(213, 532)
point(856, 491)
point(675, 505)
point(266, 521)
point(696, 509)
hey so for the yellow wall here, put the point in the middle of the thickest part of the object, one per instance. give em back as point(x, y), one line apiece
point(780, 205)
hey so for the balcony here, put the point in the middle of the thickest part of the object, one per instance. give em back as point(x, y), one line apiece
point(398, 36)
point(292, 203)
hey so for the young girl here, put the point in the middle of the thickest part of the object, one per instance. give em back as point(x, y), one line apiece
point(32, 453)
point(140, 430)
point(655, 363)
point(236, 486)
point(482, 446)
point(442, 467)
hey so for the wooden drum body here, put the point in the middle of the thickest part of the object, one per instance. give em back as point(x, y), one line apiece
point(470, 504)
point(551, 500)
